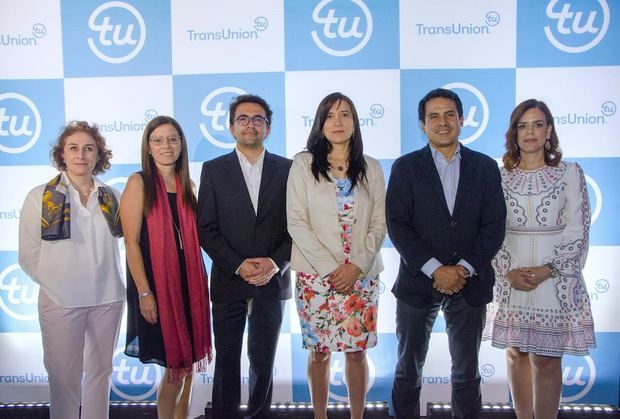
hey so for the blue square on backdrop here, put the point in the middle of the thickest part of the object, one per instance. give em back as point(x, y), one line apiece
point(116, 38)
point(132, 380)
point(381, 362)
point(593, 379)
point(567, 33)
point(602, 176)
point(32, 113)
point(341, 34)
point(488, 98)
point(201, 104)
point(19, 297)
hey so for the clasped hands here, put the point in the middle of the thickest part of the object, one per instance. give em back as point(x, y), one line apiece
point(257, 271)
point(527, 279)
point(344, 277)
point(450, 279)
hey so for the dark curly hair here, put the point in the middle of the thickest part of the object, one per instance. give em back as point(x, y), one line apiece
point(319, 147)
point(512, 156)
point(103, 154)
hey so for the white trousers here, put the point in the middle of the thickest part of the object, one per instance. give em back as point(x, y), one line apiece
point(79, 341)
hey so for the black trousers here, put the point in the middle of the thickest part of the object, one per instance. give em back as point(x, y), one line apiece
point(464, 325)
point(264, 319)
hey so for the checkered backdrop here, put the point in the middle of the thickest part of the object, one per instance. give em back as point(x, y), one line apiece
point(120, 63)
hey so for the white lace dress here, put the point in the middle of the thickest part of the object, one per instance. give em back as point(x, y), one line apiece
point(548, 222)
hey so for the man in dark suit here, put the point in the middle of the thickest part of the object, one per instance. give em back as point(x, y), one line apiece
point(242, 227)
point(446, 217)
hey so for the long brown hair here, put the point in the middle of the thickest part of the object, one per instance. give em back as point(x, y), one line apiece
point(512, 156)
point(318, 145)
point(181, 168)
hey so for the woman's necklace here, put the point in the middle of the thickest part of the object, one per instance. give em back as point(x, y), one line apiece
point(88, 192)
point(178, 233)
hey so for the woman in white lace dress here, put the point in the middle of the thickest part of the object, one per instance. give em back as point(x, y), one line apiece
point(541, 308)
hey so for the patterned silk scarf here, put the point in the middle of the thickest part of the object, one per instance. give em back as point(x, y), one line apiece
point(56, 210)
point(180, 354)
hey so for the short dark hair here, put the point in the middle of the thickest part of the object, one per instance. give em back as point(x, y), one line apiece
point(435, 93)
point(249, 98)
point(104, 154)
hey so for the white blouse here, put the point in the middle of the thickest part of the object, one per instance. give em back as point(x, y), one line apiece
point(82, 271)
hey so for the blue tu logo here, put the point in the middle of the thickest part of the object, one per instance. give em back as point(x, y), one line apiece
point(475, 111)
point(214, 108)
point(343, 33)
point(574, 29)
point(119, 30)
point(18, 294)
point(578, 376)
point(132, 380)
point(20, 123)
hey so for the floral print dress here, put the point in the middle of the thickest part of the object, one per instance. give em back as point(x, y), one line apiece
point(330, 320)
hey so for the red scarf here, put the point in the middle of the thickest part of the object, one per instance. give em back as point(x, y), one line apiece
point(165, 263)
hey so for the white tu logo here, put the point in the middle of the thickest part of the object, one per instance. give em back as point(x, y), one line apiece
point(336, 27)
point(570, 23)
point(111, 35)
point(11, 126)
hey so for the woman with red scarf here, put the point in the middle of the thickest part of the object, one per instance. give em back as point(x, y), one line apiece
point(167, 293)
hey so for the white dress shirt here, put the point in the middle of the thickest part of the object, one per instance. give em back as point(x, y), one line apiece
point(81, 271)
point(252, 174)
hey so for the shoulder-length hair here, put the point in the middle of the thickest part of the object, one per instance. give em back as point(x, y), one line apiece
point(319, 147)
point(149, 169)
point(103, 154)
point(512, 156)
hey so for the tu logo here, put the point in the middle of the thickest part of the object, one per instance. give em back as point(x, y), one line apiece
point(213, 107)
point(341, 27)
point(116, 42)
point(18, 114)
point(572, 23)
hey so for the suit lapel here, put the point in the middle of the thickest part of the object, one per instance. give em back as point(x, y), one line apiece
point(236, 178)
point(269, 170)
point(465, 175)
point(431, 169)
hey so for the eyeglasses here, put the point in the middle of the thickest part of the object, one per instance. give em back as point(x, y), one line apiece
point(159, 141)
point(257, 120)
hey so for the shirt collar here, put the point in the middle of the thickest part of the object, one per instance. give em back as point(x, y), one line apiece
point(437, 156)
point(243, 159)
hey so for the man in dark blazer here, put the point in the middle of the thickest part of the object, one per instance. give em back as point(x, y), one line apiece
point(446, 217)
point(242, 227)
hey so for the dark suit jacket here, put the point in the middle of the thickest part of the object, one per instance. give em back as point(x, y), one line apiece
point(421, 227)
point(230, 231)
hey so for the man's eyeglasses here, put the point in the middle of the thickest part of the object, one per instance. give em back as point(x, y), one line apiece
point(159, 141)
point(257, 120)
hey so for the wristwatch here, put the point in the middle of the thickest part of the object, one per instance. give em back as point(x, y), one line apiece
point(553, 271)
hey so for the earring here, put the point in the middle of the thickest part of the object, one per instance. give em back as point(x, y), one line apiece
point(548, 144)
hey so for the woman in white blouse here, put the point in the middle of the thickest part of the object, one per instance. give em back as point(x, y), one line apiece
point(68, 244)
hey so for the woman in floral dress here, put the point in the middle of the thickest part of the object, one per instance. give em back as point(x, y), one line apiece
point(541, 308)
point(336, 218)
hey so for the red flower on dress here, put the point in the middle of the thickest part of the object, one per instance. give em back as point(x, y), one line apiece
point(354, 328)
point(350, 304)
point(309, 293)
point(361, 344)
point(370, 318)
